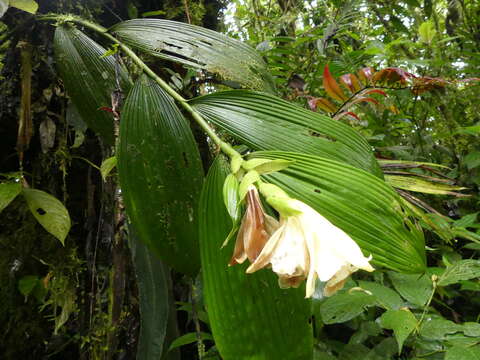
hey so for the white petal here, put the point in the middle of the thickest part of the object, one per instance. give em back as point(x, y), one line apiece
point(290, 256)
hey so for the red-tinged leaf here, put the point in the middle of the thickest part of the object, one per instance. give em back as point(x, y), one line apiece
point(346, 113)
point(365, 74)
point(469, 80)
point(364, 99)
point(331, 86)
point(323, 104)
point(375, 91)
point(392, 76)
point(347, 82)
point(106, 108)
point(427, 83)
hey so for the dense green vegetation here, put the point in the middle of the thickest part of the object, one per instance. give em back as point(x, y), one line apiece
point(365, 111)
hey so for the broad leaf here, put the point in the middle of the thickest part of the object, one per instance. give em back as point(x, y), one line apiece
point(160, 175)
point(154, 299)
point(49, 212)
point(8, 192)
point(107, 166)
point(88, 77)
point(386, 297)
point(463, 353)
point(265, 122)
point(414, 288)
point(402, 322)
point(461, 270)
point(250, 316)
point(362, 205)
point(345, 306)
point(198, 47)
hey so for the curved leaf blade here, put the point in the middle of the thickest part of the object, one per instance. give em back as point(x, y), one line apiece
point(49, 212)
point(362, 205)
point(154, 299)
point(8, 192)
point(89, 77)
point(250, 316)
point(198, 47)
point(265, 122)
point(160, 175)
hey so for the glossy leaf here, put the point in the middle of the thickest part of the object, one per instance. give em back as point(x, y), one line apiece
point(49, 212)
point(160, 175)
point(250, 316)
point(265, 122)
point(362, 205)
point(8, 192)
point(402, 322)
point(198, 47)
point(331, 86)
point(107, 166)
point(89, 77)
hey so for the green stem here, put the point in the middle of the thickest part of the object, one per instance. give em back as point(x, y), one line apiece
point(224, 146)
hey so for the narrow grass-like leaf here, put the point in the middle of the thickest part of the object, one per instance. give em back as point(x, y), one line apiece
point(49, 212)
point(250, 316)
point(361, 204)
point(198, 47)
point(265, 122)
point(154, 299)
point(88, 77)
point(161, 175)
point(413, 183)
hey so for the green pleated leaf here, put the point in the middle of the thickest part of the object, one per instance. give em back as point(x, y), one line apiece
point(359, 203)
point(198, 47)
point(8, 192)
point(265, 122)
point(88, 77)
point(49, 212)
point(153, 294)
point(161, 175)
point(250, 316)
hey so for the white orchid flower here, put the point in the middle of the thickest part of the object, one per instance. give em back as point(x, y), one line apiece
point(307, 245)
